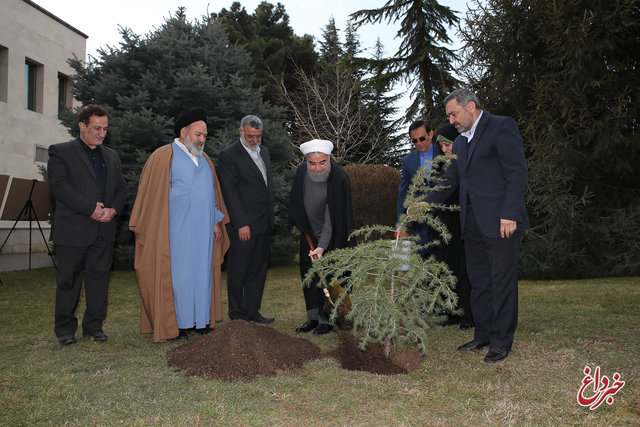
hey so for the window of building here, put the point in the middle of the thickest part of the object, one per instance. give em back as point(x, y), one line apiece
point(33, 86)
point(42, 154)
point(64, 93)
point(4, 73)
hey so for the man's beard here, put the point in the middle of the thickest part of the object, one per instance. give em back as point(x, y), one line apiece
point(193, 147)
point(319, 176)
point(247, 144)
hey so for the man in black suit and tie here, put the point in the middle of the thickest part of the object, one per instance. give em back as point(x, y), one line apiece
point(244, 169)
point(491, 173)
point(86, 181)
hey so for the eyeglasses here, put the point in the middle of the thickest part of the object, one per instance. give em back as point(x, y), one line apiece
point(421, 139)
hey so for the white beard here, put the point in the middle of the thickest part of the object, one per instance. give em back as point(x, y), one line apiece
point(192, 148)
point(319, 176)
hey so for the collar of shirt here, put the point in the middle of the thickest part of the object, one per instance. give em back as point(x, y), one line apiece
point(253, 153)
point(426, 157)
point(469, 134)
point(184, 148)
point(89, 150)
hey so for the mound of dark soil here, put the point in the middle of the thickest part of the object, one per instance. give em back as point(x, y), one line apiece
point(373, 359)
point(239, 349)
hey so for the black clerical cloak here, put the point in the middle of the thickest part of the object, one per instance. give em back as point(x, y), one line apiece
point(338, 199)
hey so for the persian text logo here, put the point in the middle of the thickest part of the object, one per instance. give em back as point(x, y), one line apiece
point(603, 390)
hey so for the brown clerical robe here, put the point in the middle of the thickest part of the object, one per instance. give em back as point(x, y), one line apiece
point(150, 223)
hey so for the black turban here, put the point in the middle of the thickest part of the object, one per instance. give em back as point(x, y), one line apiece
point(193, 115)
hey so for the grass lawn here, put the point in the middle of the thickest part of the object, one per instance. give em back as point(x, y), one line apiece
point(563, 327)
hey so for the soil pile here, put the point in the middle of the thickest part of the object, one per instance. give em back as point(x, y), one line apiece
point(373, 359)
point(239, 349)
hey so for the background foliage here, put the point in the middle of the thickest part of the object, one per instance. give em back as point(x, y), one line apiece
point(568, 72)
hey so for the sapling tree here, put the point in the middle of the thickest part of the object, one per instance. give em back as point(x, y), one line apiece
point(394, 293)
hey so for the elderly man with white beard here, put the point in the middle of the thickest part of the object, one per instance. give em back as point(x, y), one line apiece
point(320, 207)
point(178, 219)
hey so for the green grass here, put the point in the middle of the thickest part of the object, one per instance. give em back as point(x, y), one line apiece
point(563, 326)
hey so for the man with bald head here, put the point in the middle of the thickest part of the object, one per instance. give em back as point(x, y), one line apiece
point(178, 220)
point(320, 207)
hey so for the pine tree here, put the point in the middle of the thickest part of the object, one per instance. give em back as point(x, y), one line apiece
point(567, 71)
point(274, 48)
point(421, 62)
point(330, 46)
point(336, 102)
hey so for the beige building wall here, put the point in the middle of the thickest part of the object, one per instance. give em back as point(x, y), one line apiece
point(28, 33)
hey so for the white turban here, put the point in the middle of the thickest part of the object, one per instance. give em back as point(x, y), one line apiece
point(316, 146)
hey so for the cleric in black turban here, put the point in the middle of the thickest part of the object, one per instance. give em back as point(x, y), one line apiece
point(193, 115)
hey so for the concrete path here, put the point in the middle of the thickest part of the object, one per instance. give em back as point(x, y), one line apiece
point(9, 262)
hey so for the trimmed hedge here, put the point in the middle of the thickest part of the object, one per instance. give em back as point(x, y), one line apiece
point(374, 191)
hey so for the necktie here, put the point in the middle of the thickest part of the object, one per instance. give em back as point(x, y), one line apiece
point(467, 144)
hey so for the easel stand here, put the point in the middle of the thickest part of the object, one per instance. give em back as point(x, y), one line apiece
point(28, 213)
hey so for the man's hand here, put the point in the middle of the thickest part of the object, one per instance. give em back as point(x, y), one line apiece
point(244, 233)
point(98, 212)
point(108, 214)
point(217, 232)
point(316, 253)
point(507, 228)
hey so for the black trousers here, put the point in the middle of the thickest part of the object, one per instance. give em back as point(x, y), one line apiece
point(75, 262)
point(492, 265)
point(463, 288)
point(247, 264)
point(313, 295)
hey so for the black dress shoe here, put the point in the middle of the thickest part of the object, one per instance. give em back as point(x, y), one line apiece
point(182, 335)
point(496, 354)
point(259, 318)
point(67, 340)
point(98, 336)
point(325, 328)
point(307, 326)
point(465, 326)
point(472, 345)
point(204, 331)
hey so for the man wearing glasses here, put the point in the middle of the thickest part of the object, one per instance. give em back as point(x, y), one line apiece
point(421, 136)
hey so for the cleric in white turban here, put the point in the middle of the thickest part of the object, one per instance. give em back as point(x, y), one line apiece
point(321, 209)
point(317, 146)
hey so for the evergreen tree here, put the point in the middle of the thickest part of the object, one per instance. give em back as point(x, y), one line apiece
point(351, 46)
point(421, 61)
point(568, 72)
point(330, 46)
point(274, 48)
point(337, 103)
point(148, 81)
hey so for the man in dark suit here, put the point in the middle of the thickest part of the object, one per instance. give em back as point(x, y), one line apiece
point(421, 136)
point(86, 181)
point(244, 169)
point(491, 173)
